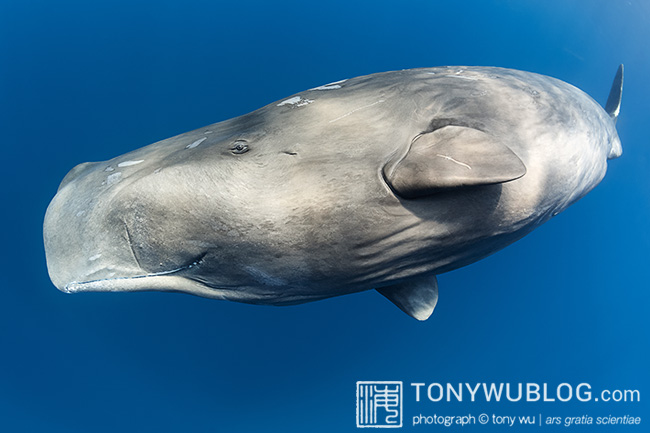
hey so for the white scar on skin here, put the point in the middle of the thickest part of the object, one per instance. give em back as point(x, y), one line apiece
point(129, 163)
point(113, 178)
point(449, 158)
point(355, 110)
point(297, 101)
point(463, 77)
point(330, 86)
point(196, 143)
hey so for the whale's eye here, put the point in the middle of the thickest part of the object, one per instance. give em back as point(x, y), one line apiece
point(239, 147)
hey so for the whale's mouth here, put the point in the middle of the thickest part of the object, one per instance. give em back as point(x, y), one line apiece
point(176, 279)
point(102, 283)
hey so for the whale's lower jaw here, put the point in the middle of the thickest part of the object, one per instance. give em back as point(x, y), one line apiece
point(150, 282)
point(181, 284)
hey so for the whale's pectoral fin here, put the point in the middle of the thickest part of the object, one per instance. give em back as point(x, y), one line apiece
point(452, 157)
point(416, 297)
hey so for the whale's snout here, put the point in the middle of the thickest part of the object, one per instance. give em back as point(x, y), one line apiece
point(77, 172)
point(76, 247)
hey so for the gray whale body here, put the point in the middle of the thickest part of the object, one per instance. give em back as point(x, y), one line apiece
point(375, 182)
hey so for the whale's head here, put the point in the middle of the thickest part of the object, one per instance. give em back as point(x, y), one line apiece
point(214, 212)
point(175, 215)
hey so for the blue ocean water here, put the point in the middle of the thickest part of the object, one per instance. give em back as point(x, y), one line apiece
point(86, 81)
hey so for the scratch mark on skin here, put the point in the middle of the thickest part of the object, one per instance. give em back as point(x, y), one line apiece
point(128, 238)
point(355, 110)
point(449, 158)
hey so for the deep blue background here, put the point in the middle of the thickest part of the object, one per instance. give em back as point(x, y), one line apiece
point(86, 81)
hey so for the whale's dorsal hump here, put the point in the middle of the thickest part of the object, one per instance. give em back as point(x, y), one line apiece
point(452, 157)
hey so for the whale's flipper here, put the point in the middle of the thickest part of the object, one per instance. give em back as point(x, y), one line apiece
point(452, 157)
point(416, 297)
point(613, 106)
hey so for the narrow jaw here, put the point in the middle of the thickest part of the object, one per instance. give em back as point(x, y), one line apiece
point(171, 281)
point(122, 284)
point(168, 282)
